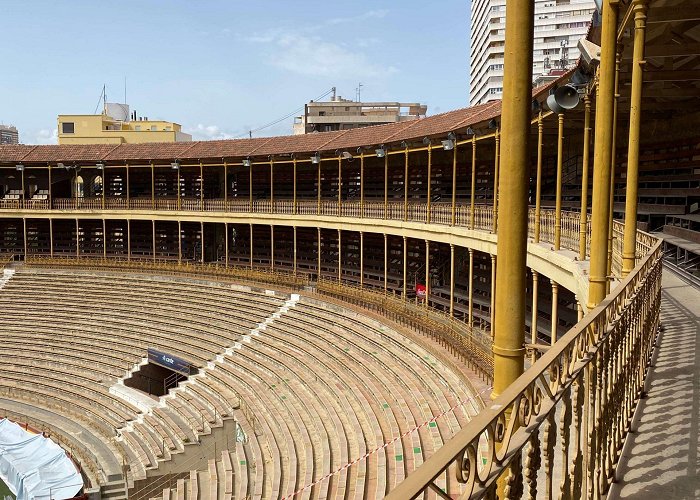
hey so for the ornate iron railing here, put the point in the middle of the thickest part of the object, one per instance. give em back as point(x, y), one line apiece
point(558, 430)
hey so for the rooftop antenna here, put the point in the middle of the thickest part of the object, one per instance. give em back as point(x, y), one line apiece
point(333, 89)
point(104, 97)
point(359, 91)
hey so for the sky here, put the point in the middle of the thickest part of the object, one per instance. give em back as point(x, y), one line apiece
point(221, 68)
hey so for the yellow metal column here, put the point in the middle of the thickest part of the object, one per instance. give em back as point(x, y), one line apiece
point(51, 237)
point(24, 228)
point(560, 166)
point(386, 183)
point(318, 188)
point(153, 186)
point(600, 213)
point(128, 239)
point(430, 168)
point(226, 244)
point(179, 196)
point(23, 189)
point(104, 238)
point(471, 287)
point(340, 186)
point(50, 190)
point(533, 321)
point(362, 260)
point(340, 256)
point(272, 247)
point(294, 201)
point(613, 165)
point(201, 238)
point(538, 189)
point(584, 178)
point(251, 246)
point(427, 272)
point(362, 184)
point(272, 186)
point(630, 238)
point(495, 180)
point(295, 250)
point(250, 187)
point(153, 239)
point(492, 311)
point(452, 280)
point(77, 238)
point(128, 195)
point(386, 262)
point(405, 185)
point(104, 184)
point(454, 184)
point(318, 255)
point(201, 186)
point(555, 312)
point(473, 184)
point(225, 184)
point(405, 267)
point(509, 317)
point(179, 242)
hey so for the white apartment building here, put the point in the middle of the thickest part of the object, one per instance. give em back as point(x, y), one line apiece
point(559, 24)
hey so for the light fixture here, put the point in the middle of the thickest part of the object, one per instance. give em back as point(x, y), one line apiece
point(452, 136)
point(493, 124)
point(536, 106)
point(315, 159)
point(246, 162)
point(346, 155)
point(448, 144)
point(381, 151)
point(470, 131)
point(20, 167)
point(426, 140)
point(61, 165)
point(175, 165)
point(100, 166)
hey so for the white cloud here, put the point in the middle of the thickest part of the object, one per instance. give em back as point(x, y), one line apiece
point(208, 132)
point(371, 14)
point(313, 56)
point(46, 136)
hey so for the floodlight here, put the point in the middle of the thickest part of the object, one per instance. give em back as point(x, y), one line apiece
point(175, 165)
point(381, 151)
point(315, 159)
point(100, 166)
point(20, 167)
point(247, 162)
point(347, 155)
point(448, 144)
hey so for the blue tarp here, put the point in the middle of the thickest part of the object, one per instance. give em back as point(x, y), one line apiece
point(34, 467)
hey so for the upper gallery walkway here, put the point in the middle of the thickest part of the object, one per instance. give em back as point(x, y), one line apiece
point(661, 458)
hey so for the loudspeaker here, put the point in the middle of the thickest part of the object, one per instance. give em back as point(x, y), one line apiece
point(563, 99)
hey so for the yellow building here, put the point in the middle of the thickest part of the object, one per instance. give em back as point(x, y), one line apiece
point(116, 126)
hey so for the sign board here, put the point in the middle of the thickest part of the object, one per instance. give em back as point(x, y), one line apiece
point(169, 361)
point(420, 291)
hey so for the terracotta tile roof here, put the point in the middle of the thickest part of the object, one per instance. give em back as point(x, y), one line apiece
point(431, 126)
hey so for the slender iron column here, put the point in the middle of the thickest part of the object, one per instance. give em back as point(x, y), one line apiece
point(24, 233)
point(153, 229)
point(405, 185)
point(430, 168)
point(471, 287)
point(272, 247)
point(295, 249)
point(272, 185)
point(405, 267)
point(452, 280)
point(602, 155)
point(226, 243)
point(225, 184)
point(362, 260)
point(294, 201)
point(201, 185)
point(50, 190)
point(250, 187)
point(340, 256)
point(24, 204)
point(128, 239)
point(77, 238)
point(386, 262)
point(153, 186)
point(454, 184)
point(473, 185)
point(533, 322)
point(492, 311)
point(51, 237)
point(318, 255)
point(512, 240)
point(179, 242)
point(340, 186)
point(104, 238)
point(427, 272)
point(179, 200)
point(201, 237)
point(318, 187)
point(104, 184)
point(496, 174)
point(362, 184)
point(251, 246)
point(629, 249)
point(560, 166)
point(584, 178)
point(128, 188)
point(386, 183)
point(613, 165)
point(555, 311)
point(538, 189)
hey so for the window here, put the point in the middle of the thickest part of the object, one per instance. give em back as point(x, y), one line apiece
point(137, 128)
point(154, 128)
point(68, 128)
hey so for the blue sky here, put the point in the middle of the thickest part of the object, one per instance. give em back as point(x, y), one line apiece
point(221, 68)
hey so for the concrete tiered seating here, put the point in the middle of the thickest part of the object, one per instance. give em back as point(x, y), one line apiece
point(312, 385)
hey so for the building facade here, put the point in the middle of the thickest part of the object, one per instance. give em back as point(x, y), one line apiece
point(116, 125)
point(8, 134)
point(345, 114)
point(559, 24)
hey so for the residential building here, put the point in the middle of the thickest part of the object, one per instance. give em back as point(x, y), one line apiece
point(8, 134)
point(559, 24)
point(345, 114)
point(116, 125)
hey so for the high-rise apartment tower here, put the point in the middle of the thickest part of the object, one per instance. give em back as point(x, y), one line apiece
point(559, 24)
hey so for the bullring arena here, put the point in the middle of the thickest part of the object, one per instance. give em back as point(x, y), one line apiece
point(313, 316)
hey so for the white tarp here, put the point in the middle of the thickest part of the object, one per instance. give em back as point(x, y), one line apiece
point(34, 467)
